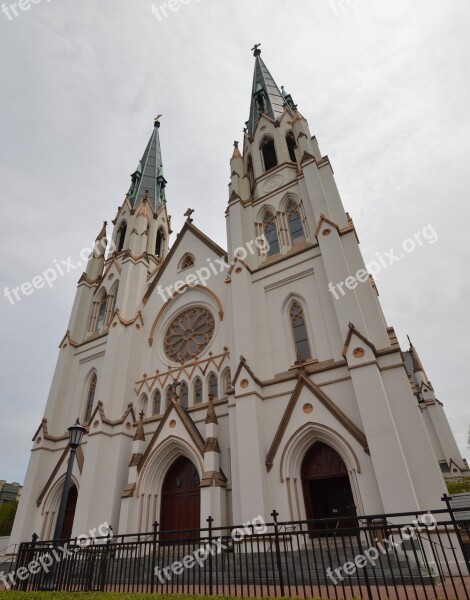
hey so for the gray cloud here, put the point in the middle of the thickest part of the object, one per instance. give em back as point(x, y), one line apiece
point(385, 86)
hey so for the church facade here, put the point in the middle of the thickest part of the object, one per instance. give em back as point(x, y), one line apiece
point(233, 382)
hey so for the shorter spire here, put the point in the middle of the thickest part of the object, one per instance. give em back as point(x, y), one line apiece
point(102, 233)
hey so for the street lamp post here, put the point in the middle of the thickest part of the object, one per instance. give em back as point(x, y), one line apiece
point(76, 433)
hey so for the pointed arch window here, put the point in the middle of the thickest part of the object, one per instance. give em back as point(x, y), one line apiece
point(250, 171)
point(169, 396)
point(121, 237)
point(197, 391)
point(91, 397)
point(294, 219)
point(159, 244)
point(101, 315)
point(299, 331)
point(157, 403)
point(184, 395)
point(213, 385)
point(268, 151)
point(143, 404)
point(187, 261)
point(227, 380)
point(291, 145)
point(270, 232)
point(112, 302)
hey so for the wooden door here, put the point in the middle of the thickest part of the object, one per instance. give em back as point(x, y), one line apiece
point(180, 510)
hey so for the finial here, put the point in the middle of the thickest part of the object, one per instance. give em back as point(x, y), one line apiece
point(188, 214)
point(140, 433)
point(256, 51)
point(157, 120)
point(235, 144)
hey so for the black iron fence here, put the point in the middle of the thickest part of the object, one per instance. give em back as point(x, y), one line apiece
point(395, 556)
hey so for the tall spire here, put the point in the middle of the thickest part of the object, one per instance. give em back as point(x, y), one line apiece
point(148, 179)
point(266, 97)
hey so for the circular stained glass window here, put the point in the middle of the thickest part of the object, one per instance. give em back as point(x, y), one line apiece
point(189, 334)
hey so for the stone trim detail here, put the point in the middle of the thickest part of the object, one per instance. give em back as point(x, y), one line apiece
point(327, 403)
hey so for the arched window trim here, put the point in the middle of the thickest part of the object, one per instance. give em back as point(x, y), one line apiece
point(187, 261)
point(295, 225)
point(198, 391)
point(160, 243)
point(183, 394)
point(250, 171)
point(90, 396)
point(99, 307)
point(144, 405)
point(213, 385)
point(112, 302)
point(268, 155)
point(168, 396)
point(121, 236)
point(226, 380)
point(272, 235)
point(291, 145)
point(157, 403)
point(301, 340)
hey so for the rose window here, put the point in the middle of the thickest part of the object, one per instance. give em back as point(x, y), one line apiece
point(189, 334)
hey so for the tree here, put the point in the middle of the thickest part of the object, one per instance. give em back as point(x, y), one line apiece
point(7, 516)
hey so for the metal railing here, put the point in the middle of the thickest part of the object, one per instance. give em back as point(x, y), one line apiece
point(395, 556)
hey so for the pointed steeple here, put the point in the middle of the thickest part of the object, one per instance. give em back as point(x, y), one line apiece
point(266, 97)
point(148, 179)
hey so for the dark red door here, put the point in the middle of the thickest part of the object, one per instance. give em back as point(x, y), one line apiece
point(181, 495)
point(69, 514)
point(326, 486)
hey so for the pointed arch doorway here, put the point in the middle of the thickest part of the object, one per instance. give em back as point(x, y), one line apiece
point(181, 501)
point(67, 527)
point(326, 486)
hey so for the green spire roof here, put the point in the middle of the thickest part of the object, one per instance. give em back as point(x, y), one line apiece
point(266, 97)
point(148, 179)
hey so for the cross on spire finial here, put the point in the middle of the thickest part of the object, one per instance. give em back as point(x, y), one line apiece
point(256, 51)
point(188, 214)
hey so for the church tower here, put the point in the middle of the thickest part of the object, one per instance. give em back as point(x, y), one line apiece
point(307, 310)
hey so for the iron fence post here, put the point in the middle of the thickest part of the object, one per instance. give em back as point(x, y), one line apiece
point(210, 520)
point(445, 498)
point(154, 556)
point(277, 545)
point(104, 562)
point(357, 527)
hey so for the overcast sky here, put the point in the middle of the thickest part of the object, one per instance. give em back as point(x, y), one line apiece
point(384, 84)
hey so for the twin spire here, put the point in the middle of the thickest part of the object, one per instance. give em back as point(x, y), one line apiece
point(148, 179)
point(266, 97)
